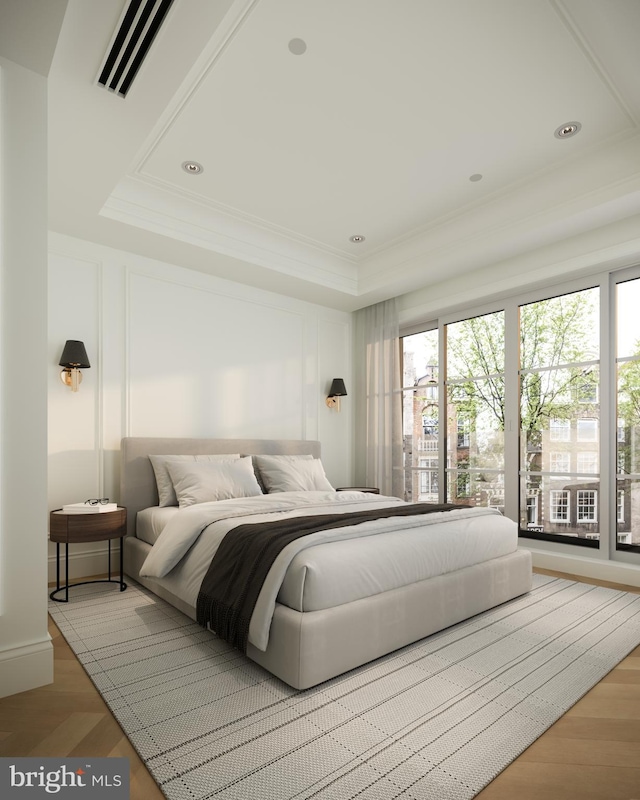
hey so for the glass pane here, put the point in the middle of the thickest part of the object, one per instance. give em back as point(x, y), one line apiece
point(421, 486)
point(420, 358)
point(420, 415)
point(554, 399)
point(628, 424)
point(475, 347)
point(476, 489)
point(628, 412)
point(627, 319)
point(560, 330)
point(628, 511)
point(561, 505)
point(475, 424)
point(562, 445)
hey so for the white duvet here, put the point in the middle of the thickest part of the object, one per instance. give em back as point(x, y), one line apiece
point(317, 571)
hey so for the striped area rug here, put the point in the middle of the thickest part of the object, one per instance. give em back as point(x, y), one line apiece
point(437, 719)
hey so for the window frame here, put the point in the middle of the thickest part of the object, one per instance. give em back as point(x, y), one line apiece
point(606, 548)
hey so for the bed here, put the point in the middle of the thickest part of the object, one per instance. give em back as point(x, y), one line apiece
point(339, 602)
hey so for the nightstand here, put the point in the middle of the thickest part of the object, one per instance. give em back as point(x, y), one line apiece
point(73, 528)
point(370, 489)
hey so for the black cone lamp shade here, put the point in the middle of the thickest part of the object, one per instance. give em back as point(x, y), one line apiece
point(337, 388)
point(336, 391)
point(74, 355)
point(73, 359)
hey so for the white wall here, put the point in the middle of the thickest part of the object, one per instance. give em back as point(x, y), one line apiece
point(26, 655)
point(175, 352)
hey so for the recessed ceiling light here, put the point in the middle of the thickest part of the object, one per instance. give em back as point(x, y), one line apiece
point(192, 167)
point(297, 46)
point(356, 239)
point(567, 130)
point(476, 177)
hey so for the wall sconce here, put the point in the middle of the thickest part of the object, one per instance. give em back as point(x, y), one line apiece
point(73, 359)
point(336, 391)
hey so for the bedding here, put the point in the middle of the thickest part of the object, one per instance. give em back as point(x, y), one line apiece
point(152, 521)
point(184, 550)
point(241, 565)
point(340, 603)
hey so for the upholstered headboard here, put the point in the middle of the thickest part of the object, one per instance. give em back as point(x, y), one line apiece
point(137, 480)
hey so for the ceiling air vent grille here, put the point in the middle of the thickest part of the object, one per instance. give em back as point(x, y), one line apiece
point(138, 28)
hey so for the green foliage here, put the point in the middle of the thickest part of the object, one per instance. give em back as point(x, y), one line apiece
point(553, 332)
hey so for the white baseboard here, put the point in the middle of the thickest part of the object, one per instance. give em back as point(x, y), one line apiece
point(613, 571)
point(85, 563)
point(26, 667)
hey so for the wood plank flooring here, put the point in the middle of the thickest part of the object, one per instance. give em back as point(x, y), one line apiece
point(591, 753)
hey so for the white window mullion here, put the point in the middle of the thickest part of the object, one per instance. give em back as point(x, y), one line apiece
point(442, 415)
point(512, 411)
point(607, 443)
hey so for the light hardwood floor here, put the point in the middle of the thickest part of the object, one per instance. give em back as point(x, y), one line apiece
point(591, 753)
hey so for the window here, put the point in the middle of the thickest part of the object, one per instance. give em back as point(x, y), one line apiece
point(549, 437)
point(559, 500)
point(474, 381)
point(559, 430)
point(588, 462)
point(420, 428)
point(463, 485)
point(587, 503)
point(620, 514)
point(587, 389)
point(587, 430)
point(628, 412)
point(464, 428)
point(430, 420)
point(559, 462)
point(428, 478)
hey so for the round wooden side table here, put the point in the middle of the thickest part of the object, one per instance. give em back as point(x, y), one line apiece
point(73, 528)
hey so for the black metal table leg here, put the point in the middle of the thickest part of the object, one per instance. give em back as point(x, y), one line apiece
point(123, 585)
point(66, 572)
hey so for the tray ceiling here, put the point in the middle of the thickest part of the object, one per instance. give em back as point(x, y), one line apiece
point(424, 126)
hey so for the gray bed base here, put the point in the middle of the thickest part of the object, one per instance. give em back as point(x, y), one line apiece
point(307, 648)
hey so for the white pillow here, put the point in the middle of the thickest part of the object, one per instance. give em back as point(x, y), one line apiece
point(216, 480)
point(274, 460)
point(291, 474)
point(166, 493)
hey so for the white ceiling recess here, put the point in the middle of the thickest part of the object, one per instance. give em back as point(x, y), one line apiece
point(380, 128)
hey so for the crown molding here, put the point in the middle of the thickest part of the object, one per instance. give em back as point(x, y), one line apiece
point(139, 202)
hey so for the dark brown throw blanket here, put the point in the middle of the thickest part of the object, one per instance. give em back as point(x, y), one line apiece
point(230, 588)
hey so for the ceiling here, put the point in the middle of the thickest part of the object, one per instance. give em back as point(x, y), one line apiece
point(379, 129)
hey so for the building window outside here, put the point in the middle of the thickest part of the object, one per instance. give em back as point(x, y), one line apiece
point(559, 499)
point(559, 430)
point(429, 476)
point(587, 505)
point(620, 514)
point(587, 462)
point(559, 462)
point(587, 390)
point(587, 430)
point(464, 428)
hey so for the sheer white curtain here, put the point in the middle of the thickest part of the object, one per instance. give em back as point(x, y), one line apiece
point(379, 417)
